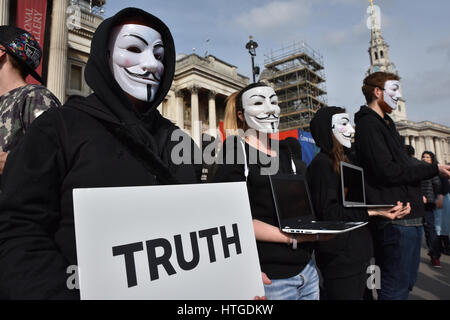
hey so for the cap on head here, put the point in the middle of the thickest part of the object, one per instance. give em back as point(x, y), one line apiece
point(23, 46)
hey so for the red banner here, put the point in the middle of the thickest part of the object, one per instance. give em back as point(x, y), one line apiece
point(31, 16)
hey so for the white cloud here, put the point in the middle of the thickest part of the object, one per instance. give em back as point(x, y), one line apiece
point(345, 1)
point(276, 15)
point(338, 37)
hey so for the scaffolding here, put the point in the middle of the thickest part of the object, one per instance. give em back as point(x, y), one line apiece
point(297, 75)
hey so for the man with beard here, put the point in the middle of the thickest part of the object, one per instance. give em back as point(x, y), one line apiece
point(113, 138)
point(390, 177)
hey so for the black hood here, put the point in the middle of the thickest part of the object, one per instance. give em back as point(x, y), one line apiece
point(321, 127)
point(98, 73)
point(365, 111)
point(145, 133)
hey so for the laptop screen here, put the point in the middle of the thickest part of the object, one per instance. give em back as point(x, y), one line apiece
point(292, 199)
point(353, 184)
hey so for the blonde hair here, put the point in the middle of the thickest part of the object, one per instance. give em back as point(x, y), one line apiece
point(231, 124)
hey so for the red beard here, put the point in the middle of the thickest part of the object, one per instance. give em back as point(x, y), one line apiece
point(384, 106)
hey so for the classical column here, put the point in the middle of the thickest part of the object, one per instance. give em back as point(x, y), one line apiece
point(438, 148)
point(413, 143)
point(447, 146)
point(57, 62)
point(406, 139)
point(4, 12)
point(420, 146)
point(429, 144)
point(212, 113)
point(195, 123)
point(447, 150)
point(179, 114)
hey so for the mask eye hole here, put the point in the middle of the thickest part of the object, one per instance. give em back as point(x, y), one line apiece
point(134, 49)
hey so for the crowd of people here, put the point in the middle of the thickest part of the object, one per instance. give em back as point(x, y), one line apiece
point(116, 137)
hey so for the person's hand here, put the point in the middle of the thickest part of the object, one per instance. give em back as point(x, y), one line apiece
point(444, 170)
point(425, 199)
point(3, 156)
point(398, 212)
point(440, 202)
point(265, 280)
point(315, 237)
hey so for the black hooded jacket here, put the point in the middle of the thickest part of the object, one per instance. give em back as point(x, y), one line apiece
point(349, 253)
point(277, 260)
point(390, 174)
point(98, 141)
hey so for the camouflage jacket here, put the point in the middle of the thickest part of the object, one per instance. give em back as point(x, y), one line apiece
point(18, 108)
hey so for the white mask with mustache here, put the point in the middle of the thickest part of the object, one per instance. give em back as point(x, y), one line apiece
point(137, 53)
point(261, 110)
point(392, 93)
point(342, 129)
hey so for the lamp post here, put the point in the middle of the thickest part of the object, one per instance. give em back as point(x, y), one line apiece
point(251, 47)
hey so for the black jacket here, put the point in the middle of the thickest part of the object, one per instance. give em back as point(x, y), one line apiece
point(99, 141)
point(390, 174)
point(349, 253)
point(430, 189)
point(277, 260)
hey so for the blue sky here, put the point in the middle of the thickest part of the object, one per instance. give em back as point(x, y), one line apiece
point(418, 33)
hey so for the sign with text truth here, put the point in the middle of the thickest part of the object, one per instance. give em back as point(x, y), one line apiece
point(166, 242)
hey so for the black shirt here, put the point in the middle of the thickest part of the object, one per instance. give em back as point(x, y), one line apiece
point(349, 253)
point(390, 175)
point(278, 260)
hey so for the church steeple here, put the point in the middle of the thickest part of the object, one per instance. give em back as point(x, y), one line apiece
point(379, 56)
point(379, 49)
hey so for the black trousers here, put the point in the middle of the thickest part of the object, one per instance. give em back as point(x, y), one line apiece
point(349, 288)
point(433, 244)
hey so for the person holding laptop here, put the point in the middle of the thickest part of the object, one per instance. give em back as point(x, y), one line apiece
point(342, 261)
point(252, 157)
point(391, 175)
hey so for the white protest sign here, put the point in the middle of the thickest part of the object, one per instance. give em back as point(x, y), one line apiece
point(166, 242)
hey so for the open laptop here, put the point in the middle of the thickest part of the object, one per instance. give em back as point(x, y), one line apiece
point(295, 211)
point(353, 189)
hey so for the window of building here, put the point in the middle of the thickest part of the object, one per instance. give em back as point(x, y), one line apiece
point(382, 54)
point(376, 56)
point(76, 77)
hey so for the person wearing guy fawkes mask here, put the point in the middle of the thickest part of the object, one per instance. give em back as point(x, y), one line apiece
point(391, 176)
point(113, 138)
point(342, 261)
point(284, 258)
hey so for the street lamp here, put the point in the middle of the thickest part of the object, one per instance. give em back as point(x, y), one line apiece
point(251, 47)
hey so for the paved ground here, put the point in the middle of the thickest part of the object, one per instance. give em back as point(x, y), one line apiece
point(432, 284)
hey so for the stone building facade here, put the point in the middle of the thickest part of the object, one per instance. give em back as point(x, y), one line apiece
point(196, 100)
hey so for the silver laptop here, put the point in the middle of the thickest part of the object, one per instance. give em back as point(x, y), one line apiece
point(353, 188)
point(295, 211)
